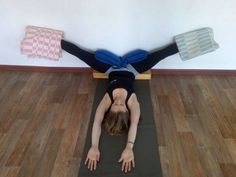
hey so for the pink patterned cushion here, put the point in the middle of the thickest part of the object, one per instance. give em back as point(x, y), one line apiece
point(42, 42)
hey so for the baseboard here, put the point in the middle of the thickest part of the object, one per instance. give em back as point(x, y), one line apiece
point(87, 69)
point(192, 72)
point(46, 69)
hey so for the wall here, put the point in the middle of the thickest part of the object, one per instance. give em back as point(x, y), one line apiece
point(120, 26)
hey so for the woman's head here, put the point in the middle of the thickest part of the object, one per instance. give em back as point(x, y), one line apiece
point(119, 105)
point(117, 122)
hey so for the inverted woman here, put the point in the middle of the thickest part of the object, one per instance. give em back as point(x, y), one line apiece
point(119, 110)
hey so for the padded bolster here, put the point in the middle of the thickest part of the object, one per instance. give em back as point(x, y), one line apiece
point(135, 56)
point(119, 62)
point(107, 57)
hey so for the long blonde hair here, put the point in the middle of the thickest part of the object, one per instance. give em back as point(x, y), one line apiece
point(116, 123)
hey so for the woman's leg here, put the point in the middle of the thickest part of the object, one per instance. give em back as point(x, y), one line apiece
point(87, 57)
point(154, 57)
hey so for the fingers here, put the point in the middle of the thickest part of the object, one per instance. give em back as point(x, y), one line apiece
point(123, 165)
point(86, 160)
point(95, 165)
point(129, 168)
point(133, 163)
point(92, 164)
point(97, 157)
point(126, 166)
point(89, 164)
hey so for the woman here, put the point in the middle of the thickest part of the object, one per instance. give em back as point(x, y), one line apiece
point(119, 110)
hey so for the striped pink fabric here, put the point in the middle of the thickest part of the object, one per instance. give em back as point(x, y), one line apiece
point(42, 42)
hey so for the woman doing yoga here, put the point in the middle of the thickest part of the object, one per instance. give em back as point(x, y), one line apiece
point(118, 111)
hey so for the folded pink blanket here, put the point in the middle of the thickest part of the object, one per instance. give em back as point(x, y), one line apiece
point(42, 42)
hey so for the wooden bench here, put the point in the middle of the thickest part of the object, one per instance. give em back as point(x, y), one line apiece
point(144, 76)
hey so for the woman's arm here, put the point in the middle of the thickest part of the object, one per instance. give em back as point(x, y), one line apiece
point(93, 153)
point(134, 120)
point(127, 155)
point(99, 115)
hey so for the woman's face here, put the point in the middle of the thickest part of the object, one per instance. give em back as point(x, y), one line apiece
point(118, 106)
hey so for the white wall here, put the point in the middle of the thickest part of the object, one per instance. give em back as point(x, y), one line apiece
point(120, 26)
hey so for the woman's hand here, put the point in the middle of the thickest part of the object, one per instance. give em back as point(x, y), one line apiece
point(127, 157)
point(92, 157)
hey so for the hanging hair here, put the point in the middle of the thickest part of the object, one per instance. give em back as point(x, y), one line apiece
point(116, 123)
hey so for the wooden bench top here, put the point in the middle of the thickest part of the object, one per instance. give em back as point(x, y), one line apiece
point(143, 76)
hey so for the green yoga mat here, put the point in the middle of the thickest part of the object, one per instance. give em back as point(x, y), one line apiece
point(146, 154)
